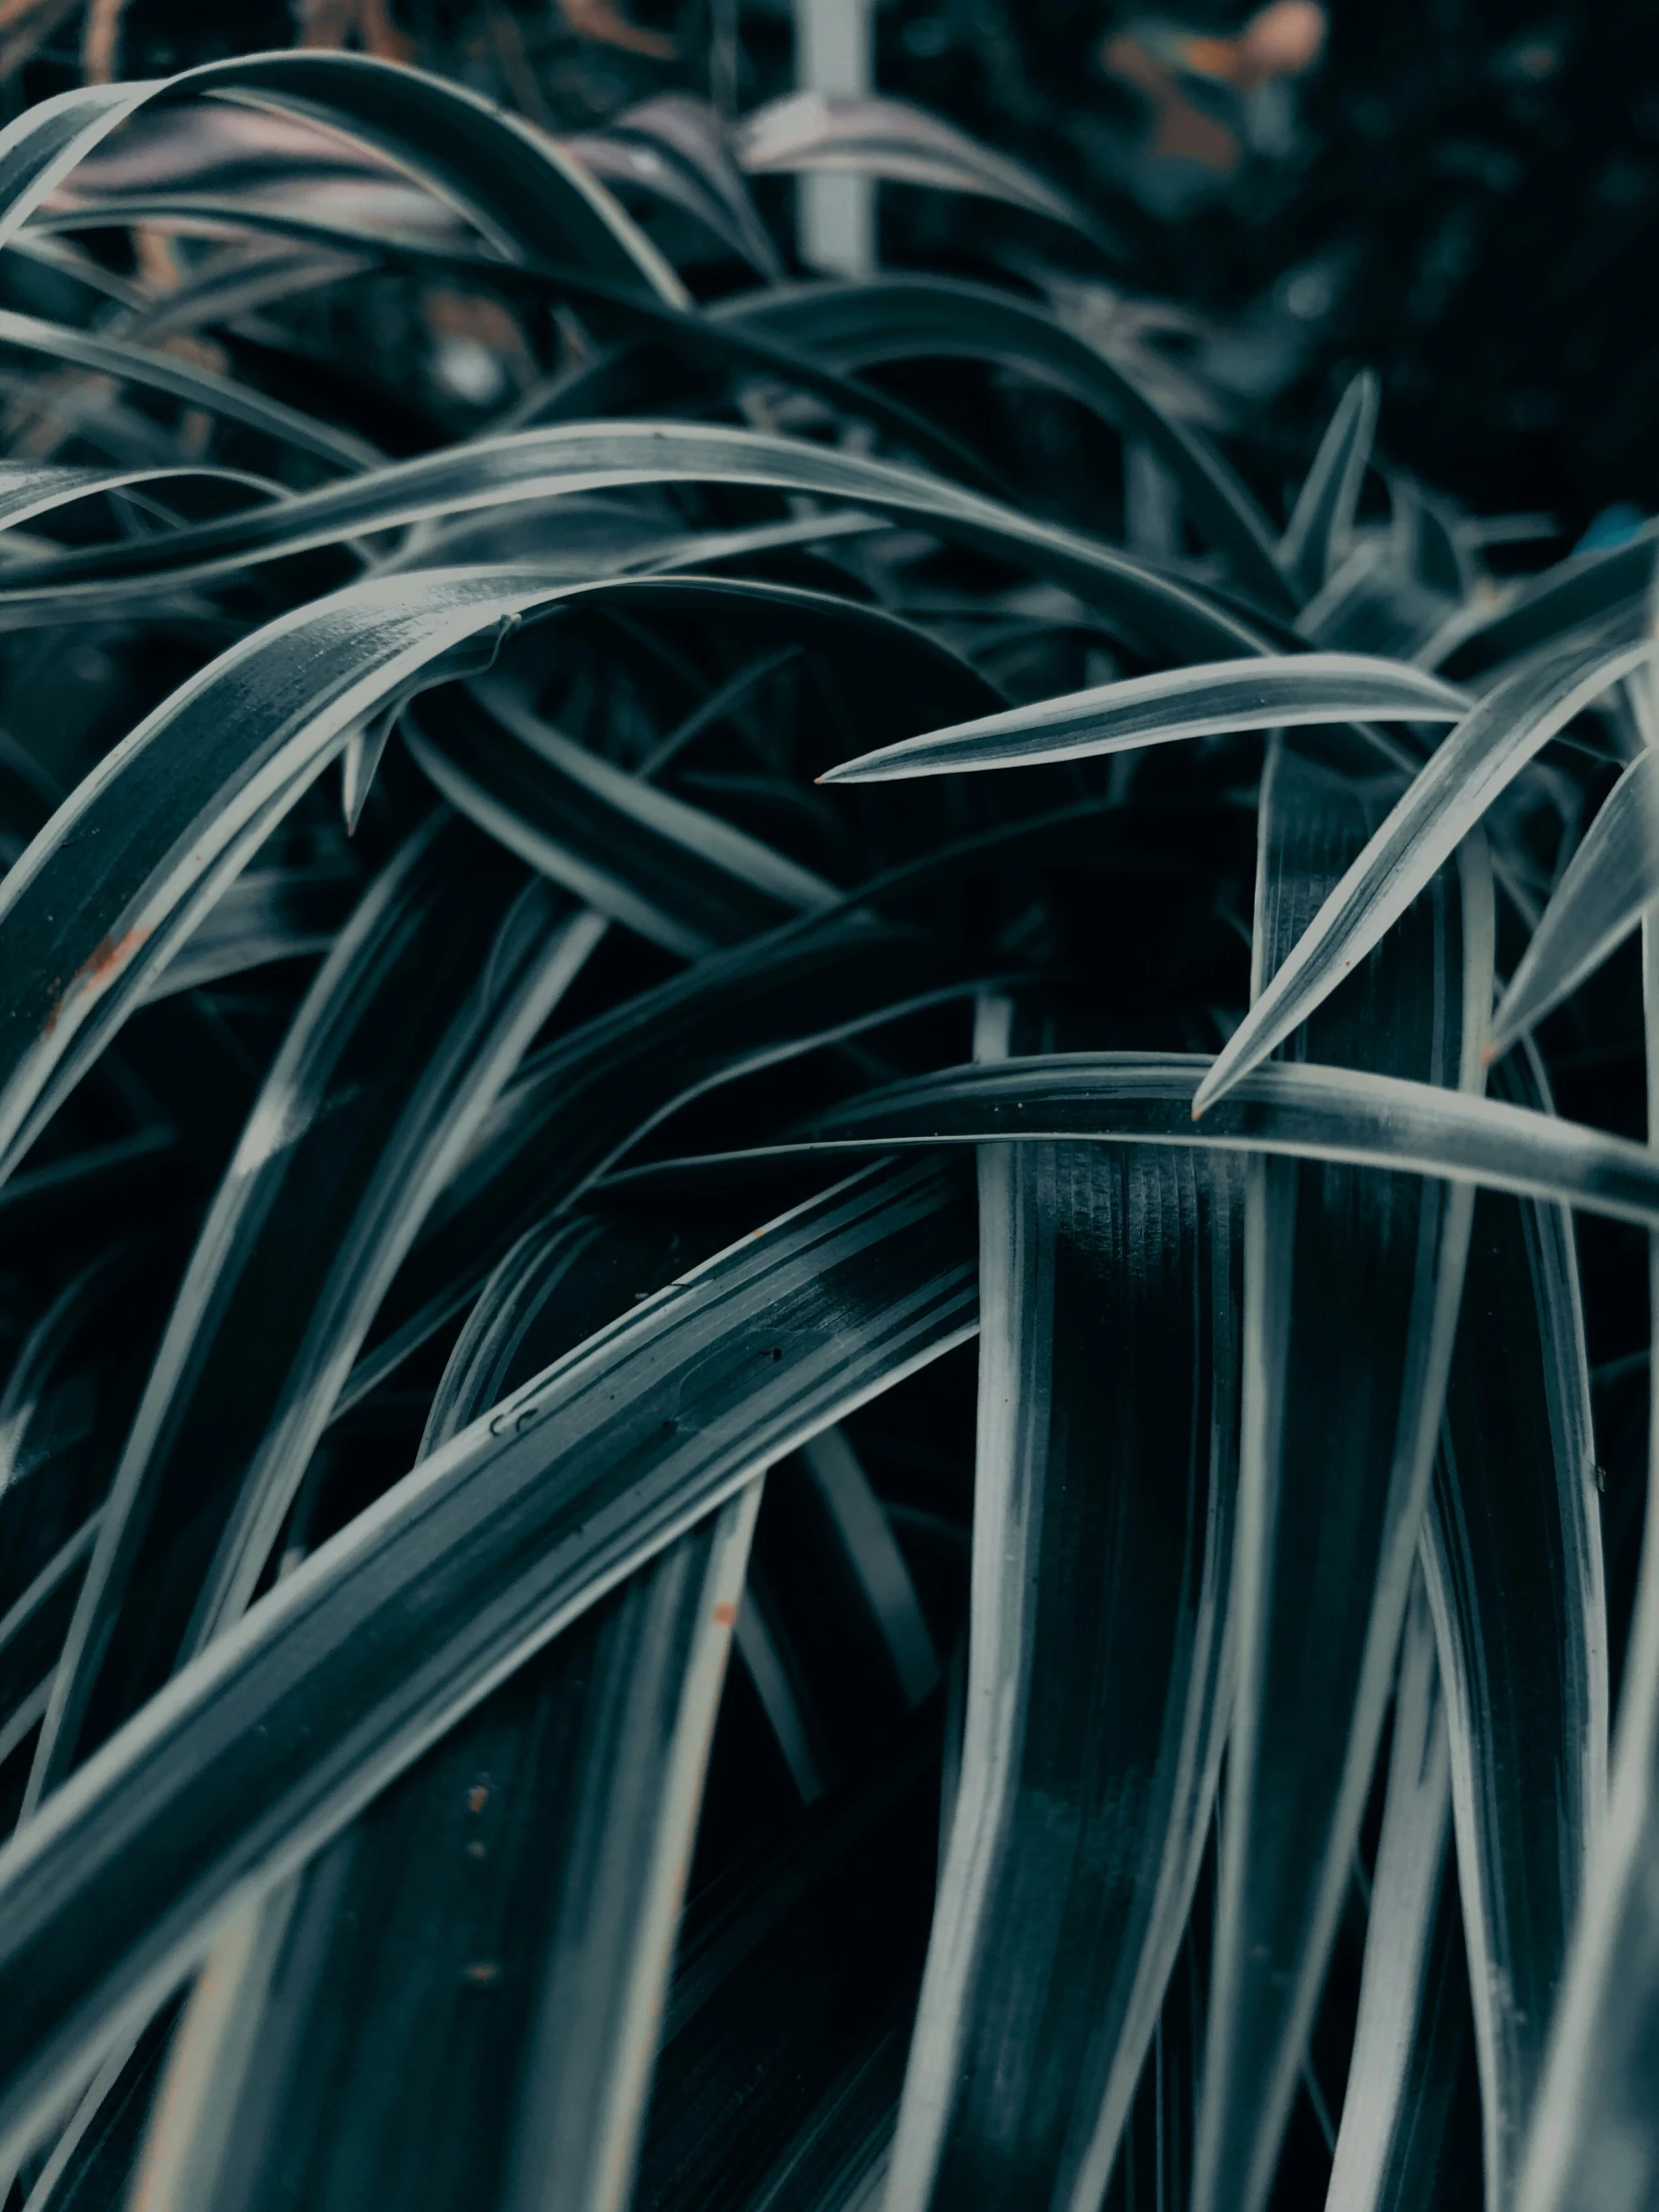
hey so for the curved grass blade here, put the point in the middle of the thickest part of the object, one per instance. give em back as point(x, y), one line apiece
point(1287, 1111)
point(894, 139)
point(509, 179)
point(1207, 700)
point(529, 466)
point(447, 970)
point(1352, 1284)
point(1321, 521)
point(475, 2019)
point(181, 379)
point(893, 319)
point(41, 147)
point(1384, 2110)
point(29, 490)
point(1096, 1711)
point(681, 877)
point(1512, 1554)
point(1482, 755)
point(1606, 888)
point(129, 863)
point(285, 1727)
point(584, 1099)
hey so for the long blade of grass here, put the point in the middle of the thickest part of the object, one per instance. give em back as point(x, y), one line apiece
point(1478, 761)
point(1594, 2137)
point(1288, 1111)
point(287, 1726)
point(449, 967)
point(680, 150)
point(1384, 2108)
point(181, 379)
point(1202, 701)
point(620, 381)
point(1352, 1285)
point(545, 464)
point(42, 145)
point(1096, 1713)
point(1607, 886)
point(1322, 520)
point(1512, 1551)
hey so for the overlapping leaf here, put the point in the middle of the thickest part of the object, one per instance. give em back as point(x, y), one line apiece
point(1481, 756)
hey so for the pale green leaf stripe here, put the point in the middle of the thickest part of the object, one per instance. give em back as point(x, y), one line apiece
point(1202, 701)
point(1477, 762)
point(1299, 1109)
point(1609, 884)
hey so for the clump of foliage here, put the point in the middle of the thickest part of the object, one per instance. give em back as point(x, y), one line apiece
point(779, 979)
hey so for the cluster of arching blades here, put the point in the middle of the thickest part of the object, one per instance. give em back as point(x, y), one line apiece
point(538, 1665)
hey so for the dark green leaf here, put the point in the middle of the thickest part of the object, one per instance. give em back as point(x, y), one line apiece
point(893, 139)
point(681, 877)
point(1512, 1551)
point(464, 1993)
point(1096, 1713)
point(1389, 2108)
point(1351, 1283)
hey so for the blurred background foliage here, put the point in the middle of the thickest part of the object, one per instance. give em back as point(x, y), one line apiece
point(1458, 192)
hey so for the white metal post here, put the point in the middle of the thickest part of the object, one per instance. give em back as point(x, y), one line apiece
point(835, 54)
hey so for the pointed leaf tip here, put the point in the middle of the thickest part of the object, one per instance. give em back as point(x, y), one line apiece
point(1477, 763)
point(1201, 700)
